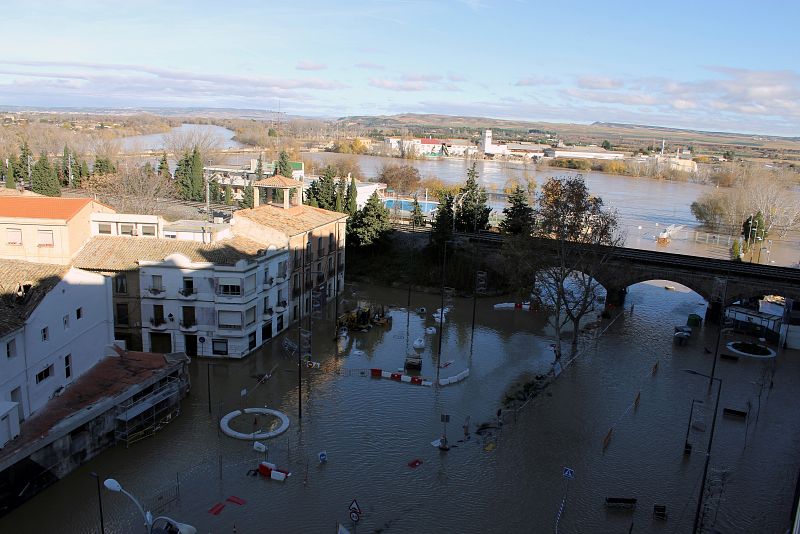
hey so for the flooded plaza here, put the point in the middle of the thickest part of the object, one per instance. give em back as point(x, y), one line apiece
point(504, 480)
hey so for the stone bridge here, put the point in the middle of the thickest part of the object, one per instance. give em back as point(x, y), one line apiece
point(714, 279)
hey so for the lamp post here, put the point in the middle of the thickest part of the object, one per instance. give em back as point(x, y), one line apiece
point(99, 501)
point(149, 520)
point(687, 448)
point(708, 449)
point(441, 310)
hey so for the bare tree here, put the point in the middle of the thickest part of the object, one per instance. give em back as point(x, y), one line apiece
point(204, 139)
point(133, 188)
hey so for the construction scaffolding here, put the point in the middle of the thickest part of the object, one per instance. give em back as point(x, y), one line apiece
point(145, 414)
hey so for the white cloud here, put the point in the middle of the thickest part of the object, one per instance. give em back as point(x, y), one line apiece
point(309, 65)
point(599, 82)
point(531, 81)
point(369, 65)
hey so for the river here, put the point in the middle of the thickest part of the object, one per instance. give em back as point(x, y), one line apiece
point(138, 143)
point(372, 429)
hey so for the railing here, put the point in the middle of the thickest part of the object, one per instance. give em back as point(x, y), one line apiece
point(229, 326)
point(268, 312)
point(188, 323)
point(155, 290)
point(186, 291)
point(155, 321)
point(269, 281)
point(282, 304)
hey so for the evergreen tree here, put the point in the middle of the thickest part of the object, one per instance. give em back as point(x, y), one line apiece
point(248, 195)
point(66, 166)
point(326, 189)
point(417, 217)
point(736, 250)
point(259, 168)
point(11, 179)
point(473, 213)
point(371, 223)
point(340, 195)
point(350, 205)
point(196, 174)
point(228, 195)
point(214, 192)
point(518, 215)
point(443, 222)
point(284, 166)
point(84, 169)
point(312, 201)
point(312, 194)
point(163, 166)
point(44, 179)
point(25, 168)
point(183, 177)
point(103, 165)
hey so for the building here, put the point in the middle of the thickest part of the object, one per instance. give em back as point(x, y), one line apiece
point(314, 237)
point(364, 190)
point(210, 299)
point(55, 324)
point(240, 177)
point(582, 152)
point(45, 229)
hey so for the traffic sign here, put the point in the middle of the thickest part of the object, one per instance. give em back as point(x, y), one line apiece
point(354, 517)
point(354, 507)
point(445, 418)
point(568, 473)
point(201, 339)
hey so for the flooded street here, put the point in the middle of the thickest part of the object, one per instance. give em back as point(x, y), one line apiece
point(503, 481)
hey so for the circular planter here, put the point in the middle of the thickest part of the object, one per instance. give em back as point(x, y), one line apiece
point(758, 351)
point(225, 424)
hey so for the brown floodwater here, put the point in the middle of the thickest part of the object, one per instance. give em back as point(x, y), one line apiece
point(372, 428)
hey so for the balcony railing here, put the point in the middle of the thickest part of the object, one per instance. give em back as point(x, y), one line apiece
point(188, 323)
point(268, 312)
point(269, 281)
point(156, 291)
point(157, 322)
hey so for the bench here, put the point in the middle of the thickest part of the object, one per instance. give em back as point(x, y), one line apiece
point(621, 502)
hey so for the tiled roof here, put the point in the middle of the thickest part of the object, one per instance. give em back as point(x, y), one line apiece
point(119, 253)
point(295, 220)
point(16, 307)
point(41, 207)
point(278, 181)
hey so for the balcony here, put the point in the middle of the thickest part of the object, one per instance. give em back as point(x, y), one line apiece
point(188, 325)
point(268, 313)
point(269, 281)
point(157, 323)
point(281, 307)
point(187, 293)
point(281, 278)
point(156, 292)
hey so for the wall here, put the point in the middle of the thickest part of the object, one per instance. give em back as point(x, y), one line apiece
point(84, 339)
point(12, 371)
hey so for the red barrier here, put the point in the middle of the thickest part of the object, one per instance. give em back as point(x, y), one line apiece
point(416, 380)
point(395, 376)
point(375, 373)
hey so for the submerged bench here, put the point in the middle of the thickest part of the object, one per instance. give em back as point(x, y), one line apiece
point(620, 502)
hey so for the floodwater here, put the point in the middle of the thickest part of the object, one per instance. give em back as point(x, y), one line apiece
point(646, 206)
point(372, 428)
point(156, 141)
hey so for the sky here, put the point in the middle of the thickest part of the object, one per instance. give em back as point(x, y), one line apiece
point(710, 65)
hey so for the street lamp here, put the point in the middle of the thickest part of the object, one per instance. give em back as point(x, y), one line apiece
point(149, 522)
point(687, 447)
point(99, 501)
point(708, 449)
point(441, 310)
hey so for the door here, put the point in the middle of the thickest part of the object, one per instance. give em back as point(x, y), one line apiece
point(188, 316)
point(190, 344)
point(16, 396)
point(280, 322)
point(160, 342)
point(266, 331)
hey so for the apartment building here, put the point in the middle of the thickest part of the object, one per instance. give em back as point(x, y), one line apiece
point(55, 324)
point(44, 229)
point(314, 238)
point(223, 298)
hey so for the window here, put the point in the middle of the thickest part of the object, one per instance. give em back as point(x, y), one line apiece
point(157, 282)
point(188, 286)
point(250, 316)
point(104, 229)
point(250, 284)
point(148, 230)
point(45, 238)
point(267, 309)
point(65, 320)
point(79, 313)
point(251, 341)
point(45, 334)
point(230, 320)
point(170, 236)
point(320, 247)
point(229, 286)
point(11, 348)
point(121, 283)
point(122, 313)
point(331, 241)
point(45, 374)
point(126, 229)
point(219, 347)
point(68, 366)
point(14, 236)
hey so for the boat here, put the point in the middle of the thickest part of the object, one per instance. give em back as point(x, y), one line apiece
point(430, 330)
point(413, 361)
point(419, 343)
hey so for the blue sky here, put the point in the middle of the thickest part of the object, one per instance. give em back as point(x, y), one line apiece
point(714, 65)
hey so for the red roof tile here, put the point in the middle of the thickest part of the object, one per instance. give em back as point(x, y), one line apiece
point(42, 207)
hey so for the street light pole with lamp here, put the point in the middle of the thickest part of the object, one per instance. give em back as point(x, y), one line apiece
point(174, 527)
point(708, 449)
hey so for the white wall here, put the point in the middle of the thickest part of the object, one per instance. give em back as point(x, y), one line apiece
point(85, 339)
point(12, 369)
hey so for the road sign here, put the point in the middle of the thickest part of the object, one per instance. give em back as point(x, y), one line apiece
point(568, 473)
point(354, 507)
point(445, 418)
point(201, 339)
point(354, 517)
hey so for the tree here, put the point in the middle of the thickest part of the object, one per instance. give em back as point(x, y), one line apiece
point(84, 169)
point(341, 194)
point(11, 180)
point(443, 221)
point(228, 195)
point(326, 189)
point(183, 177)
point(401, 178)
point(417, 217)
point(133, 189)
point(44, 179)
point(259, 168)
point(606, 145)
point(518, 215)
point(372, 223)
point(351, 205)
point(736, 250)
point(573, 239)
point(248, 200)
point(103, 165)
point(214, 192)
point(196, 174)
point(23, 171)
point(473, 213)
point(284, 166)
point(163, 166)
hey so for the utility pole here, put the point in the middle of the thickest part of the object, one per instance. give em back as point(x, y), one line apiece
point(69, 167)
point(29, 168)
